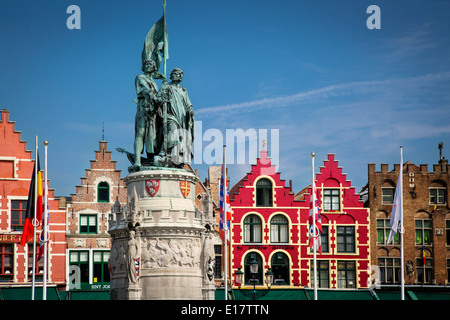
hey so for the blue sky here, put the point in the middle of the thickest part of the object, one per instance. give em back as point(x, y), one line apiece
point(310, 69)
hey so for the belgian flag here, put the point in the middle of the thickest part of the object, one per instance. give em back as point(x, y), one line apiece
point(34, 196)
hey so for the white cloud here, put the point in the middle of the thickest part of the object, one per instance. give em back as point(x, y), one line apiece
point(345, 89)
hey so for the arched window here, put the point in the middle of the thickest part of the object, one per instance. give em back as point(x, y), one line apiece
point(279, 229)
point(253, 278)
point(264, 193)
point(252, 229)
point(103, 192)
point(280, 268)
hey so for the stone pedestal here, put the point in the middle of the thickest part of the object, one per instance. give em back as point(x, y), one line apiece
point(158, 239)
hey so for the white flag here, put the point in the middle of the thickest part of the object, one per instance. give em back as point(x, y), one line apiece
point(397, 206)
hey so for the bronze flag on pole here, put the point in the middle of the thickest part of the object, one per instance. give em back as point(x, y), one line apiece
point(156, 44)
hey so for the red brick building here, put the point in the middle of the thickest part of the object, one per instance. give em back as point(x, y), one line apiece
point(16, 169)
point(270, 224)
point(88, 210)
point(345, 257)
point(265, 226)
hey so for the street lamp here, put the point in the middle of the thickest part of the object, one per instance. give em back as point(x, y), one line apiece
point(238, 277)
point(253, 267)
point(254, 272)
point(269, 277)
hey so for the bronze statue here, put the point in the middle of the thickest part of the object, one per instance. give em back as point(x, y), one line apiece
point(164, 122)
point(145, 121)
point(177, 130)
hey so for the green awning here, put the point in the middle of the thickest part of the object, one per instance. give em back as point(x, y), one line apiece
point(432, 295)
point(89, 295)
point(273, 294)
point(335, 294)
point(24, 293)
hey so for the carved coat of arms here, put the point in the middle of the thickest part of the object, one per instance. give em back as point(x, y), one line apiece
point(185, 188)
point(152, 187)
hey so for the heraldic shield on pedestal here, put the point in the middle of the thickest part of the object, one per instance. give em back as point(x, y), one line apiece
point(152, 187)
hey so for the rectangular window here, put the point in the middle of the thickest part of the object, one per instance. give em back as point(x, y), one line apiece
point(346, 239)
point(6, 262)
point(279, 233)
point(423, 232)
point(279, 230)
point(437, 196)
point(39, 265)
point(323, 273)
point(383, 230)
point(388, 195)
point(447, 232)
point(18, 212)
point(252, 229)
point(218, 262)
point(346, 274)
point(324, 239)
point(424, 271)
point(331, 200)
point(389, 270)
point(448, 270)
point(88, 223)
point(80, 259)
point(263, 198)
point(101, 271)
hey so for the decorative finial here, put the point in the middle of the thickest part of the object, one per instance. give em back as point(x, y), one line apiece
point(45, 143)
point(313, 154)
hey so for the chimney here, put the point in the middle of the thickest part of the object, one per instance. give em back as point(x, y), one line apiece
point(5, 116)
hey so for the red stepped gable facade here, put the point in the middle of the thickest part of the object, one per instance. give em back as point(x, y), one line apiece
point(16, 169)
point(270, 224)
point(345, 257)
point(265, 226)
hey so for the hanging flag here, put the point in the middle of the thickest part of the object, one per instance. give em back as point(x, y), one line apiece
point(156, 43)
point(314, 211)
point(34, 196)
point(44, 238)
point(397, 207)
point(224, 201)
point(423, 255)
point(137, 265)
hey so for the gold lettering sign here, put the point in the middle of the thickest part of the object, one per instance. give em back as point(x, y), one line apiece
point(13, 238)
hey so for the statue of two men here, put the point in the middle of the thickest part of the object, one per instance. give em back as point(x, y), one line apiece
point(164, 120)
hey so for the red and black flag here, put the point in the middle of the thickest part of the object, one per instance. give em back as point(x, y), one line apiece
point(34, 196)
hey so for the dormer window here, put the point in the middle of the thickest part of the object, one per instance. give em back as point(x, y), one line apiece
point(103, 192)
point(264, 193)
point(331, 200)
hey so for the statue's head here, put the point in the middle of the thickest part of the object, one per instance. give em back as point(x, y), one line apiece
point(148, 66)
point(176, 75)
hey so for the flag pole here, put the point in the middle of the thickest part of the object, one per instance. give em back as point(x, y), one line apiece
point(165, 44)
point(45, 227)
point(224, 196)
point(402, 230)
point(314, 228)
point(34, 221)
